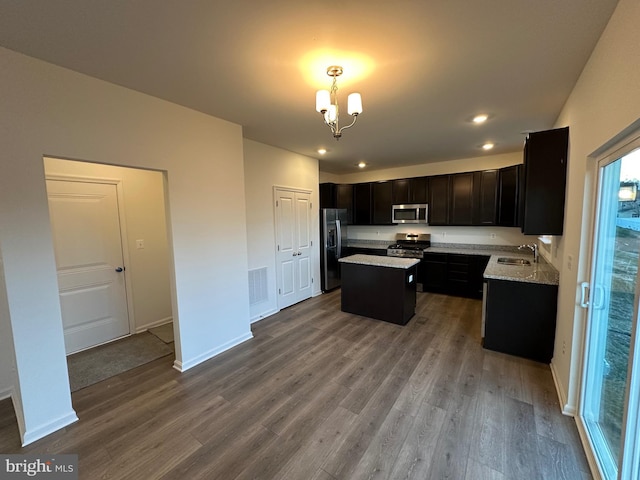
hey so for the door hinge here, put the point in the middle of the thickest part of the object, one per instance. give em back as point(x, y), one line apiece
point(311, 244)
point(310, 205)
point(278, 247)
point(276, 203)
point(311, 279)
point(279, 291)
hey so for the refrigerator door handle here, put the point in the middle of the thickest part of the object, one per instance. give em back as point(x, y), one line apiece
point(339, 238)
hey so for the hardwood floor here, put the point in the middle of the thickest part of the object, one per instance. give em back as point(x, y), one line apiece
point(320, 394)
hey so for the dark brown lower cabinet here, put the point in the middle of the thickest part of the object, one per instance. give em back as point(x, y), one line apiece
point(453, 274)
point(520, 319)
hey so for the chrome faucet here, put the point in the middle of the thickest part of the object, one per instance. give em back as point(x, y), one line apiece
point(534, 248)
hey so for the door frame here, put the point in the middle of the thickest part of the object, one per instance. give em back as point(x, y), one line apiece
point(616, 148)
point(123, 232)
point(274, 194)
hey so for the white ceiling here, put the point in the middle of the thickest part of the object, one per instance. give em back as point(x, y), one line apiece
point(430, 65)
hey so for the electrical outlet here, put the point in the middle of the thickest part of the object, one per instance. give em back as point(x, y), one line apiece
point(139, 243)
point(569, 262)
point(444, 234)
point(493, 236)
point(564, 347)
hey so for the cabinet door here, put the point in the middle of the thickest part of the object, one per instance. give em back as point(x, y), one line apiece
point(344, 199)
point(362, 204)
point(439, 200)
point(382, 199)
point(461, 212)
point(327, 195)
point(459, 274)
point(401, 191)
point(509, 179)
point(418, 190)
point(485, 197)
point(545, 173)
point(434, 272)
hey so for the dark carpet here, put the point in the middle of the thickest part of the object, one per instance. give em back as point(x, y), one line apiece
point(96, 364)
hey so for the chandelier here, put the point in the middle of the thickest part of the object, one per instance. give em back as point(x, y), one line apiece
point(327, 104)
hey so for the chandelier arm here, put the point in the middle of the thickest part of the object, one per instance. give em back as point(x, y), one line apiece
point(355, 117)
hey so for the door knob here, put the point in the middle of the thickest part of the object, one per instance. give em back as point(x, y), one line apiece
point(119, 269)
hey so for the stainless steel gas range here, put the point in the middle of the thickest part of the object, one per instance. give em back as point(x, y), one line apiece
point(409, 245)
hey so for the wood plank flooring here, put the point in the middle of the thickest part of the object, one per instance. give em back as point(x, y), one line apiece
point(319, 394)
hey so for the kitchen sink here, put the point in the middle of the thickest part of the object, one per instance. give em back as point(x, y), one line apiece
point(513, 261)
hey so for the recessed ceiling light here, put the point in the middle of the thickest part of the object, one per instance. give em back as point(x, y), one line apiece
point(322, 151)
point(478, 119)
point(362, 164)
point(487, 146)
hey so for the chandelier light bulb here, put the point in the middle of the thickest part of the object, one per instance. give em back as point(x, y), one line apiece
point(323, 100)
point(354, 104)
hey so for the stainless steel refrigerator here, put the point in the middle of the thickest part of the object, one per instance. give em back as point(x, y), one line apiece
point(333, 235)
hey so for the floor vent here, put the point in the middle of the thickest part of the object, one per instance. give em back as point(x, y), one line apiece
point(258, 286)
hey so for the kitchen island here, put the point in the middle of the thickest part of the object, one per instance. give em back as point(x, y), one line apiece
point(379, 287)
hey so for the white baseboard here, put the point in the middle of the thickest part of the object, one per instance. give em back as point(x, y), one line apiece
point(157, 323)
point(31, 436)
point(264, 315)
point(6, 393)
point(569, 410)
point(183, 366)
point(316, 293)
point(588, 450)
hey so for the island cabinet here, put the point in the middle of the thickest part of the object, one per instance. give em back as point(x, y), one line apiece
point(543, 182)
point(383, 288)
point(520, 318)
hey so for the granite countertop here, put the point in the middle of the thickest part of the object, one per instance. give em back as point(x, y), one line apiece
point(380, 261)
point(541, 272)
point(378, 244)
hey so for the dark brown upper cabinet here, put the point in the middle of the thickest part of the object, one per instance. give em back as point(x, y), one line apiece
point(461, 208)
point(508, 194)
point(381, 199)
point(344, 199)
point(439, 188)
point(545, 175)
point(401, 191)
point(362, 204)
point(485, 197)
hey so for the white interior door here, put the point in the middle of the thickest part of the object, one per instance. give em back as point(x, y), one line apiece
point(85, 223)
point(293, 232)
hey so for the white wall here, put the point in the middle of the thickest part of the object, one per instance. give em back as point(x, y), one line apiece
point(266, 167)
point(51, 111)
point(604, 102)
point(484, 162)
point(144, 218)
point(8, 374)
point(458, 235)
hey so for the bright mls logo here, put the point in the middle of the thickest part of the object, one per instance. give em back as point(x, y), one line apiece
point(52, 467)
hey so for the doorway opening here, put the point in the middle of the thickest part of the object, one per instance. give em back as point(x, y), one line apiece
point(112, 258)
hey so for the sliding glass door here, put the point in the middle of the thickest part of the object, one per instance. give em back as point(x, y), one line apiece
point(608, 411)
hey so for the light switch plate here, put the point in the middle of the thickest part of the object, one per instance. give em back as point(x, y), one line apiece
point(139, 243)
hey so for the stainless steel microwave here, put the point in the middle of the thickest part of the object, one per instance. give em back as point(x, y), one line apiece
point(409, 213)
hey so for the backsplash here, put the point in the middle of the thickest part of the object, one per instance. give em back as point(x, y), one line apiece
point(449, 234)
